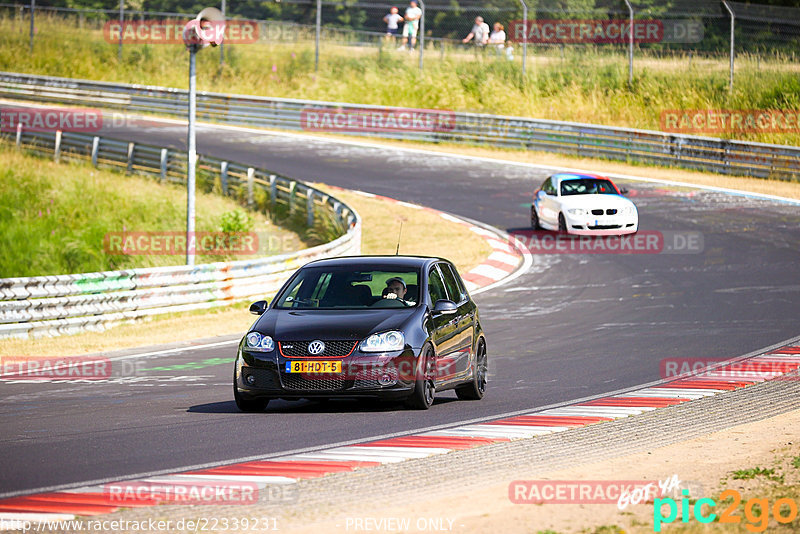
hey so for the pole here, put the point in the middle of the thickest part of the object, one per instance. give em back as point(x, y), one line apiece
point(524, 37)
point(190, 177)
point(630, 43)
point(121, 24)
point(733, 24)
point(421, 33)
point(222, 45)
point(33, 8)
point(318, 25)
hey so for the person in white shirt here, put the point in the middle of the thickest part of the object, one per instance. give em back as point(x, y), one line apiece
point(497, 40)
point(410, 28)
point(479, 32)
point(392, 20)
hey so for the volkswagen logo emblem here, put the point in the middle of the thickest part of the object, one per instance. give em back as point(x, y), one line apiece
point(316, 347)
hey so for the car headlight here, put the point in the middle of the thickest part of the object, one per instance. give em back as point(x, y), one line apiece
point(257, 342)
point(385, 342)
point(578, 211)
point(628, 210)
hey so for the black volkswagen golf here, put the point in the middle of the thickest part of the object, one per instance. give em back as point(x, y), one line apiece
point(389, 327)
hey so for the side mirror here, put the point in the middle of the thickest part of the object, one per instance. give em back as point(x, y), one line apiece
point(541, 194)
point(258, 307)
point(623, 191)
point(445, 307)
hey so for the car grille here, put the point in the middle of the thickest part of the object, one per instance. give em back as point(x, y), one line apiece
point(265, 378)
point(605, 227)
point(299, 349)
point(312, 382)
point(611, 212)
point(597, 212)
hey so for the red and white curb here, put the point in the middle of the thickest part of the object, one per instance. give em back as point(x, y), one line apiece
point(96, 500)
point(508, 256)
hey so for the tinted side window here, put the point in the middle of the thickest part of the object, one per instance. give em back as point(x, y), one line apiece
point(453, 289)
point(548, 187)
point(435, 286)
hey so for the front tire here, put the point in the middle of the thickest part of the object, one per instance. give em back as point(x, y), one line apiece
point(247, 405)
point(562, 223)
point(535, 218)
point(475, 389)
point(425, 385)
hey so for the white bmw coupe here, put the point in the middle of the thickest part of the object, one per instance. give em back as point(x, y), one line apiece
point(583, 204)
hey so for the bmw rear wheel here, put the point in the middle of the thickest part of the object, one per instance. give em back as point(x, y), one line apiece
point(425, 386)
point(475, 389)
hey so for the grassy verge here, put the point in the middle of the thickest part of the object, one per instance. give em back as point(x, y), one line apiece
point(59, 218)
point(423, 233)
point(585, 85)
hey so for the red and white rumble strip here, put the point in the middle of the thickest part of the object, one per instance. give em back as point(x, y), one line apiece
point(237, 483)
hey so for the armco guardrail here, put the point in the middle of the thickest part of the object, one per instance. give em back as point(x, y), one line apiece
point(702, 153)
point(54, 305)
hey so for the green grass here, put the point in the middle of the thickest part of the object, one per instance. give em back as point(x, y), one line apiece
point(54, 217)
point(749, 474)
point(586, 85)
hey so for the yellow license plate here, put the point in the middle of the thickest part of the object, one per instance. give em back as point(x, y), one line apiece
point(314, 367)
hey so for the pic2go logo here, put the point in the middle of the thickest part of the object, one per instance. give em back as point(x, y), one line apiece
point(756, 511)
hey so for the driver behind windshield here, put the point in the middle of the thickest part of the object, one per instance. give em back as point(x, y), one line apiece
point(395, 289)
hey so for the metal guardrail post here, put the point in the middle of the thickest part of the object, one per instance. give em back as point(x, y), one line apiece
point(33, 9)
point(129, 167)
point(95, 150)
point(222, 44)
point(630, 43)
point(191, 151)
point(251, 172)
point(57, 147)
point(310, 208)
point(421, 33)
point(273, 191)
point(223, 177)
point(121, 25)
point(292, 193)
point(163, 164)
point(733, 40)
point(524, 37)
point(317, 30)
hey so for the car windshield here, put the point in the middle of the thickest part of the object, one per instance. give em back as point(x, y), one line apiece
point(587, 186)
point(349, 287)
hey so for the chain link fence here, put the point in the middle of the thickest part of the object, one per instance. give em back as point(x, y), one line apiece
point(732, 35)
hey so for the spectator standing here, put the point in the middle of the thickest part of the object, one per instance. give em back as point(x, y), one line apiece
point(479, 32)
point(411, 26)
point(392, 20)
point(497, 40)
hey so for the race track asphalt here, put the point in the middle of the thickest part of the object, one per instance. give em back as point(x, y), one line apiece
point(575, 325)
